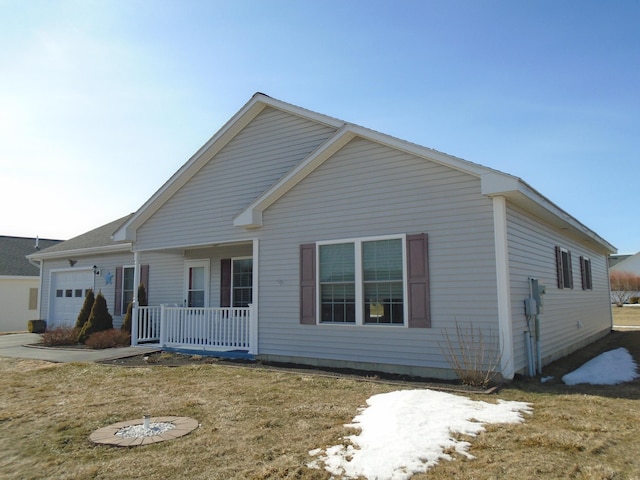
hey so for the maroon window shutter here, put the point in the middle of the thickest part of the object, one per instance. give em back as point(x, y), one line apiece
point(583, 273)
point(308, 284)
point(225, 282)
point(570, 267)
point(559, 272)
point(117, 308)
point(418, 281)
point(144, 278)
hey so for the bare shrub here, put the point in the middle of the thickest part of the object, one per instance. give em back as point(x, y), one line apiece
point(60, 336)
point(108, 339)
point(624, 285)
point(473, 354)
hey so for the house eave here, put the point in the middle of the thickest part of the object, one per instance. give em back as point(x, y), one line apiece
point(524, 196)
point(82, 252)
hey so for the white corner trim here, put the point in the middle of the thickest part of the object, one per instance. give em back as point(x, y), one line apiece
point(503, 285)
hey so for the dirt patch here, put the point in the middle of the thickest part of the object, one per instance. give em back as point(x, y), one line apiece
point(171, 359)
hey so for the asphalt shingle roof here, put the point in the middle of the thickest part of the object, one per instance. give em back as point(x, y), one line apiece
point(98, 237)
point(13, 251)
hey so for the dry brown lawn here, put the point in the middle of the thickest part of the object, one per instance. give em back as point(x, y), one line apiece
point(260, 423)
point(626, 316)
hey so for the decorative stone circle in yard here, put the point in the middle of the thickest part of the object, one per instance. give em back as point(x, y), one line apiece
point(144, 431)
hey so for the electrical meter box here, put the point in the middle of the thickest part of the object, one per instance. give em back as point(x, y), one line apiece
point(537, 292)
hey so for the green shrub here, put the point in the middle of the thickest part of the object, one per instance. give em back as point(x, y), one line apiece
point(142, 301)
point(100, 319)
point(36, 326)
point(60, 336)
point(126, 322)
point(108, 339)
point(85, 311)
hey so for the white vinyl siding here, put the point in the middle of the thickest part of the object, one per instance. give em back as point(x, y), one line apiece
point(104, 282)
point(369, 190)
point(570, 316)
point(255, 159)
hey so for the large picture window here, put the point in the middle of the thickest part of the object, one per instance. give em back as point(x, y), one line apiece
point(337, 283)
point(362, 282)
point(383, 281)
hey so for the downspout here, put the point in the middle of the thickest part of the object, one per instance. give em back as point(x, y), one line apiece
point(503, 285)
point(134, 310)
point(253, 341)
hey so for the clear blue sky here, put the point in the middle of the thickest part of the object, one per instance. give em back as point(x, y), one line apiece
point(102, 101)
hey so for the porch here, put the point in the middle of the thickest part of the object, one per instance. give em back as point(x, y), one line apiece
point(223, 329)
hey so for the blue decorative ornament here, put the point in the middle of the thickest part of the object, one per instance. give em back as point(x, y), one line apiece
point(108, 278)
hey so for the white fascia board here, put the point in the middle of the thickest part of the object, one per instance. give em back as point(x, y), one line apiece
point(299, 111)
point(122, 247)
point(251, 217)
point(421, 151)
point(228, 131)
point(25, 278)
point(520, 193)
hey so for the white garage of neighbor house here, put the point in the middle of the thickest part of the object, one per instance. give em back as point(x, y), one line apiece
point(292, 236)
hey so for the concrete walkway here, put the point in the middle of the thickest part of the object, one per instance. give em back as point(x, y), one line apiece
point(22, 345)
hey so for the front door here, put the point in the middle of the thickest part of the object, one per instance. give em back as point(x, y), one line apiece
point(196, 283)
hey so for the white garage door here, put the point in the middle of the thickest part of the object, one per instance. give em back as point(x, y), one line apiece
point(67, 296)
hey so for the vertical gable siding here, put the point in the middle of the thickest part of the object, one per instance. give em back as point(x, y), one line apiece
point(367, 189)
point(204, 208)
point(532, 254)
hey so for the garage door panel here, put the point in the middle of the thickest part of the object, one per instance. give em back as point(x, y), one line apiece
point(67, 296)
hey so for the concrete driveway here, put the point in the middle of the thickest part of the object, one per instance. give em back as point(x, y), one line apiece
point(22, 345)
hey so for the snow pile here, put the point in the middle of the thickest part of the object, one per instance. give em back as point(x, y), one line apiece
point(408, 432)
point(134, 431)
point(610, 368)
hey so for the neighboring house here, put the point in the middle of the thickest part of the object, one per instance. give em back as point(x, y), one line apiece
point(628, 263)
point(296, 237)
point(19, 281)
point(616, 259)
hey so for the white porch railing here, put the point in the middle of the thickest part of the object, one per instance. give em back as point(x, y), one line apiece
point(215, 329)
point(148, 324)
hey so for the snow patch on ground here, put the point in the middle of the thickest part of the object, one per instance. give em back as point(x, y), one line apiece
point(408, 431)
point(610, 368)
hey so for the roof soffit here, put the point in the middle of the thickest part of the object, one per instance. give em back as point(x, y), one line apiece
point(524, 196)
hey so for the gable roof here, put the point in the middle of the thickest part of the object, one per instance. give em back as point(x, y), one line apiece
point(98, 240)
point(14, 251)
point(493, 182)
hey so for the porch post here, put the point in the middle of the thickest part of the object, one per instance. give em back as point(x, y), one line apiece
point(134, 310)
point(163, 325)
point(253, 329)
point(253, 307)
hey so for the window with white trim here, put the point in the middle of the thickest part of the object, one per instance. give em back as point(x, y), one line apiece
point(242, 281)
point(362, 281)
point(127, 287)
point(585, 273)
point(564, 270)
